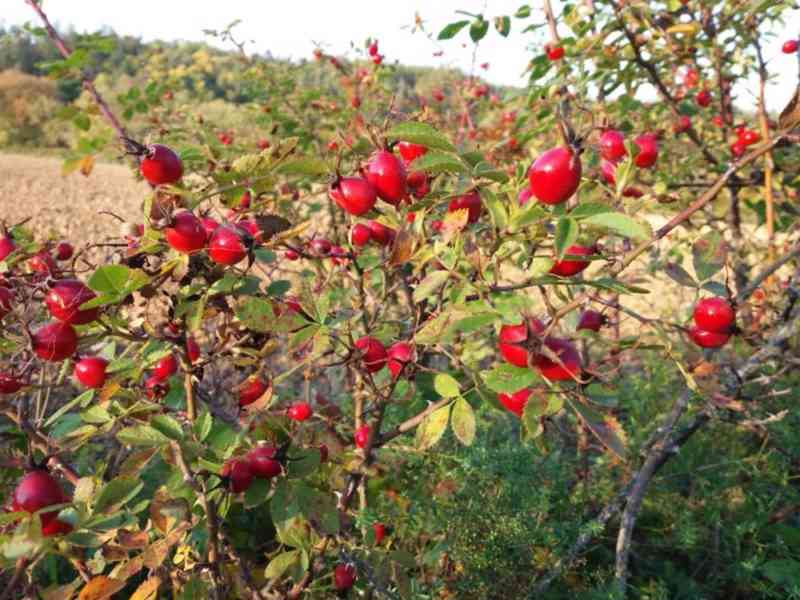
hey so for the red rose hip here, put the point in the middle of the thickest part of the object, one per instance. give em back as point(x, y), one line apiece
point(555, 175)
point(161, 165)
point(91, 371)
point(715, 315)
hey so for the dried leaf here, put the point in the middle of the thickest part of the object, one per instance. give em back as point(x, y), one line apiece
point(87, 165)
point(453, 223)
point(148, 590)
point(790, 116)
point(101, 587)
point(605, 427)
point(62, 592)
point(271, 225)
point(132, 539)
point(402, 249)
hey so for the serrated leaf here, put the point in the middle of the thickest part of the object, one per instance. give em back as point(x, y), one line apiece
point(566, 234)
point(588, 209)
point(679, 275)
point(110, 279)
point(446, 385)
point(507, 379)
point(168, 426)
point(431, 430)
point(304, 166)
point(116, 492)
point(605, 428)
point(488, 171)
point(620, 224)
point(420, 133)
point(436, 162)
point(523, 12)
point(430, 285)
point(709, 254)
point(141, 435)
point(100, 588)
point(451, 30)
point(463, 421)
point(478, 29)
point(281, 563)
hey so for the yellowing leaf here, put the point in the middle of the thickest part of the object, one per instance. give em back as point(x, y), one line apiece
point(87, 165)
point(463, 422)
point(148, 590)
point(433, 427)
point(101, 587)
point(402, 249)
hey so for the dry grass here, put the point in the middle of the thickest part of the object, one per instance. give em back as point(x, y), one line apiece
point(67, 206)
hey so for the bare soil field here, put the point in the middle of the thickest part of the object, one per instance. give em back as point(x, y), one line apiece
point(67, 206)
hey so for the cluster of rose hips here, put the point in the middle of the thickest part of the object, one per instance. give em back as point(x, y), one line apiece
point(744, 137)
point(714, 320)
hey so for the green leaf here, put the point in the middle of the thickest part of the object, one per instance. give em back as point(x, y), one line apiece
point(83, 399)
point(588, 209)
point(478, 29)
point(96, 414)
point(452, 29)
point(566, 234)
point(281, 563)
point(433, 427)
point(257, 493)
point(420, 133)
point(305, 166)
point(497, 209)
point(168, 426)
point(463, 422)
point(430, 285)
point(502, 25)
point(679, 275)
point(446, 385)
point(142, 435)
point(202, 425)
point(523, 12)
point(530, 214)
point(434, 163)
point(488, 171)
point(708, 255)
point(257, 314)
point(620, 224)
point(117, 492)
point(110, 279)
point(507, 379)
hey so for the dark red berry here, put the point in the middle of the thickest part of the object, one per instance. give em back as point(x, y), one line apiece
point(648, 150)
point(161, 165)
point(251, 390)
point(10, 383)
point(708, 339)
point(155, 387)
point(513, 340)
point(226, 246)
point(186, 234)
point(65, 299)
point(570, 361)
point(555, 175)
point(715, 315)
point(91, 371)
point(373, 352)
point(516, 402)
point(387, 174)
point(64, 251)
point(472, 202)
point(362, 436)
point(355, 195)
point(166, 367)
point(703, 98)
point(344, 576)
point(7, 246)
point(612, 145)
point(380, 233)
point(360, 235)
point(239, 474)
point(300, 411)
point(264, 462)
point(592, 320)
point(55, 341)
point(37, 490)
point(379, 529)
point(192, 350)
point(570, 267)
point(321, 247)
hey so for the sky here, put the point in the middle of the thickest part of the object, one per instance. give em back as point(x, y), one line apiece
point(290, 29)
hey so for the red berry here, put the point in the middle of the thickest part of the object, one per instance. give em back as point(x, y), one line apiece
point(380, 532)
point(263, 462)
point(251, 390)
point(354, 194)
point(555, 176)
point(7, 246)
point(161, 165)
point(382, 234)
point(344, 576)
point(239, 474)
point(567, 354)
point(419, 184)
point(244, 203)
point(387, 174)
point(155, 387)
point(648, 150)
point(738, 148)
point(612, 145)
point(300, 411)
point(513, 339)
point(251, 228)
point(703, 98)
point(554, 52)
point(360, 235)
point(42, 262)
point(516, 402)
point(377, 59)
point(64, 251)
point(291, 255)
point(373, 48)
point(55, 341)
point(56, 527)
point(192, 350)
point(6, 300)
point(437, 225)
point(410, 151)
point(10, 383)
point(683, 124)
point(226, 246)
point(166, 367)
point(91, 371)
point(65, 299)
point(609, 171)
point(470, 201)
point(708, 339)
point(362, 436)
point(718, 120)
point(632, 192)
point(525, 195)
point(323, 453)
point(789, 47)
point(186, 234)
point(37, 490)
point(592, 320)
point(399, 354)
point(321, 247)
point(715, 315)
point(374, 354)
point(569, 267)
point(210, 225)
point(748, 137)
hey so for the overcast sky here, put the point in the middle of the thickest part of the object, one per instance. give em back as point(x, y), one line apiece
point(290, 28)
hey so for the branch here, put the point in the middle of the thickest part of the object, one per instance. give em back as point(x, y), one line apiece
point(551, 22)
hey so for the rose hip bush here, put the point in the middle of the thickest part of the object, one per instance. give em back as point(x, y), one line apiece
point(258, 389)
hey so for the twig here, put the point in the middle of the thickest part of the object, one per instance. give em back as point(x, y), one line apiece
point(19, 572)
